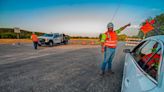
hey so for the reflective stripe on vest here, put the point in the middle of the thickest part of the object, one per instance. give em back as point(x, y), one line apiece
point(111, 40)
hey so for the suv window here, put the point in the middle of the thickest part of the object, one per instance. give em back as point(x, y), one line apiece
point(148, 57)
point(48, 35)
point(56, 35)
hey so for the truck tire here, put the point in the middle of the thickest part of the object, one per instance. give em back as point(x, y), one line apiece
point(65, 42)
point(51, 43)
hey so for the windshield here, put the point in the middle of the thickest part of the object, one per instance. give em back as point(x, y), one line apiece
point(48, 35)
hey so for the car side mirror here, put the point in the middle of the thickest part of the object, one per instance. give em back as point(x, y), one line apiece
point(126, 51)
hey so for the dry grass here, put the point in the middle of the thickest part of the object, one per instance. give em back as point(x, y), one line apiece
point(10, 41)
point(72, 41)
point(86, 39)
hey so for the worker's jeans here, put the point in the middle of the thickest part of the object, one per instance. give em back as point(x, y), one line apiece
point(108, 58)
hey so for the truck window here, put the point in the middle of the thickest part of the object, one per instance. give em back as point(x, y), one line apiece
point(48, 35)
point(56, 35)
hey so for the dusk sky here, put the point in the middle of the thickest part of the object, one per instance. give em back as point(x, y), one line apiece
point(77, 17)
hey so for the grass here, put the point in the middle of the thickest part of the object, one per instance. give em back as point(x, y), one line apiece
point(72, 41)
point(10, 41)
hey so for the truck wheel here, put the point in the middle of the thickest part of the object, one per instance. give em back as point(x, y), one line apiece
point(65, 42)
point(51, 43)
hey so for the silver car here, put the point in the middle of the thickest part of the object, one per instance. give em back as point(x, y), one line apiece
point(144, 66)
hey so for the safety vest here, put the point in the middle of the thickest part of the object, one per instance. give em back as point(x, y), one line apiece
point(153, 60)
point(111, 39)
point(34, 38)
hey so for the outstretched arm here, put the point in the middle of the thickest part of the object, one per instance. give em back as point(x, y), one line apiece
point(122, 28)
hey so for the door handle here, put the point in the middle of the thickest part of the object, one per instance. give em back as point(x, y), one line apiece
point(127, 81)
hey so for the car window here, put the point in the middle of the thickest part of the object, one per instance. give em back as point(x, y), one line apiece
point(148, 57)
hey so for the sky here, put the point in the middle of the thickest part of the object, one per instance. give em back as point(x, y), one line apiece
point(77, 17)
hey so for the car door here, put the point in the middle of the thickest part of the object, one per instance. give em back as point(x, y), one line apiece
point(136, 77)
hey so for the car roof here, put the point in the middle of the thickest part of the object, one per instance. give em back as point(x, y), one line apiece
point(159, 37)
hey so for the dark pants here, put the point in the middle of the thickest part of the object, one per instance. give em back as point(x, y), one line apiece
point(35, 45)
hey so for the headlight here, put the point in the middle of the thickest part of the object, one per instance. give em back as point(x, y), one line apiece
point(46, 40)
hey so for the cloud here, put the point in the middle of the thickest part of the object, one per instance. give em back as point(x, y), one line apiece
point(134, 26)
point(130, 31)
point(75, 20)
point(156, 9)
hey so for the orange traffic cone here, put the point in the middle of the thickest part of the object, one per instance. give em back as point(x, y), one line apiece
point(84, 43)
point(92, 43)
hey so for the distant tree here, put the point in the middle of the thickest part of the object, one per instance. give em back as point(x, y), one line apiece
point(9, 33)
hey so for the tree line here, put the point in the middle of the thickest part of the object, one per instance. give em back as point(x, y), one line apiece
point(9, 33)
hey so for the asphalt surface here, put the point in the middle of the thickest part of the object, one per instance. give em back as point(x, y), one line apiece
point(65, 68)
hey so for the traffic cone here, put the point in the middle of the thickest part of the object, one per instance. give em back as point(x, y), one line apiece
point(84, 43)
point(92, 43)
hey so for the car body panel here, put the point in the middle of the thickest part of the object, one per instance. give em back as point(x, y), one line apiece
point(136, 80)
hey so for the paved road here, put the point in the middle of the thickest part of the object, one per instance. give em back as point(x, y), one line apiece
point(69, 68)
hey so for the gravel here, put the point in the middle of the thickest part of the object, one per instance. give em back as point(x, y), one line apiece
point(65, 68)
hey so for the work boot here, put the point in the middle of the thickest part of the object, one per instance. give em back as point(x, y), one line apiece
point(110, 72)
point(102, 73)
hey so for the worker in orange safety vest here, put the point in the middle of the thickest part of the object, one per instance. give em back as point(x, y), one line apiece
point(109, 44)
point(35, 40)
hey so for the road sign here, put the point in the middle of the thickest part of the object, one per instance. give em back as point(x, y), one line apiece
point(17, 30)
point(147, 27)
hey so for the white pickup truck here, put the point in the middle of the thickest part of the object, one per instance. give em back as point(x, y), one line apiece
point(53, 38)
